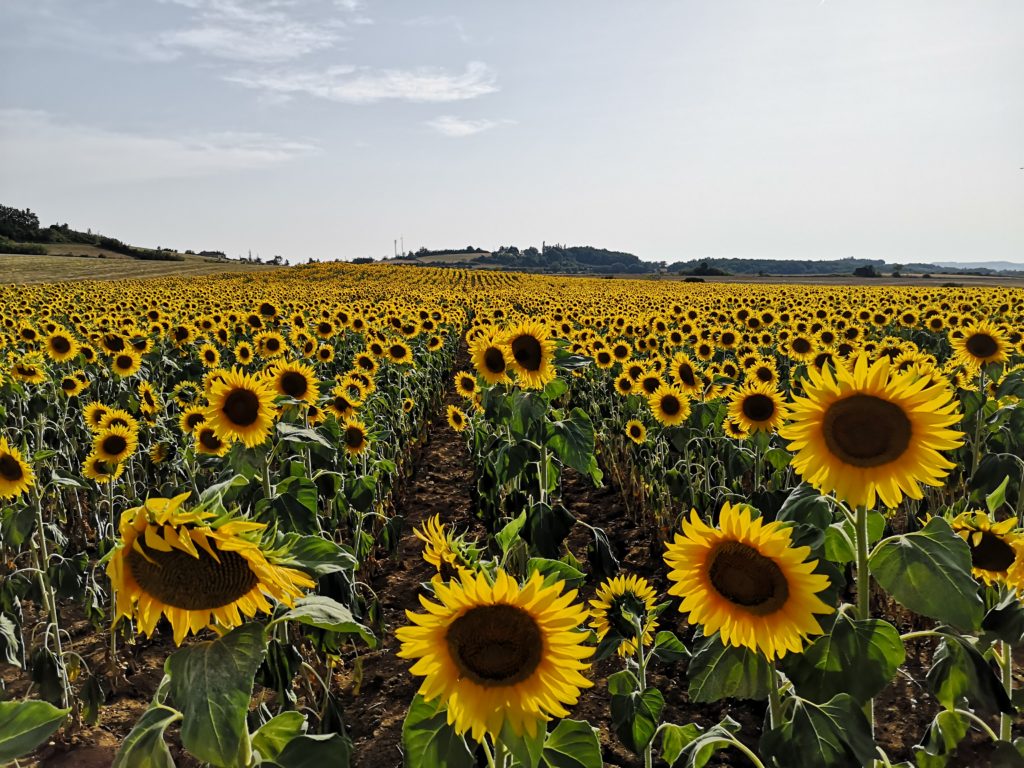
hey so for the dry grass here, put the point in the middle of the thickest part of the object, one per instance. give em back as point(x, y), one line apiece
point(54, 268)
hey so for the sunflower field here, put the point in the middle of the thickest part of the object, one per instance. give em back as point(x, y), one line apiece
point(379, 516)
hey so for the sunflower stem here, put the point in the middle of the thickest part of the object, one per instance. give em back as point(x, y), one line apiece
point(977, 423)
point(1005, 720)
point(268, 490)
point(775, 698)
point(42, 557)
point(864, 590)
point(641, 660)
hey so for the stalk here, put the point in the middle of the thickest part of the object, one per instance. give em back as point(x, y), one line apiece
point(864, 589)
point(42, 558)
point(977, 423)
point(1005, 720)
point(775, 698)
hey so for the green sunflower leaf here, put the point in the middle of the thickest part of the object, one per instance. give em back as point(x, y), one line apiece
point(429, 742)
point(144, 746)
point(719, 671)
point(24, 725)
point(572, 744)
point(831, 735)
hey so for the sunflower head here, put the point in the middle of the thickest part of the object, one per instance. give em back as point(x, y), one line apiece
point(978, 345)
point(355, 436)
point(670, 405)
point(199, 568)
point(624, 604)
point(497, 653)
point(297, 381)
point(241, 408)
point(115, 444)
point(441, 550)
point(465, 384)
point(997, 549)
point(757, 407)
point(636, 431)
point(529, 352)
point(457, 418)
point(16, 475)
point(745, 580)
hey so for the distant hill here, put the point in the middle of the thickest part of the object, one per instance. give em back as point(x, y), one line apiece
point(847, 266)
point(998, 266)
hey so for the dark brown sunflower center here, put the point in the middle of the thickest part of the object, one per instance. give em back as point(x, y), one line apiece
point(982, 345)
point(60, 345)
point(494, 360)
point(125, 361)
point(764, 374)
point(495, 645)
point(208, 438)
point(177, 579)
point(992, 553)
point(69, 384)
point(670, 405)
point(272, 345)
point(635, 430)
point(745, 577)
point(801, 346)
point(866, 431)
point(620, 352)
point(758, 407)
point(686, 375)
point(294, 384)
point(398, 351)
point(242, 407)
point(114, 445)
point(10, 468)
point(528, 352)
point(354, 437)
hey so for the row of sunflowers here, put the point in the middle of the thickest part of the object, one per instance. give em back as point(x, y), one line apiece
point(224, 456)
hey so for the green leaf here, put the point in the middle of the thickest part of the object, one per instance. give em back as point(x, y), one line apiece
point(944, 735)
point(831, 735)
point(327, 750)
point(301, 435)
point(856, 657)
point(320, 556)
point(555, 389)
point(1007, 755)
point(719, 671)
point(694, 744)
point(24, 725)
point(997, 498)
point(555, 570)
point(668, 648)
point(806, 505)
point(327, 613)
point(572, 744)
point(222, 490)
point(635, 713)
point(211, 683)
point(676, 738)
point(929, 572)
point(572, 440)
point(429, 742)
point(510, 532)
point(959, 671)
point(275, 734)
point(9, 642)
point(1005, 620)
point(144, 746)
point(526, 749)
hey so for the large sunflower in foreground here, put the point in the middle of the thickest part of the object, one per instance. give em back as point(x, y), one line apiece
point(530, 352)
point(241, 407)
point(499, 653)
point(745, 580)
point(16, 476)
point(617, 601)
point(869, 433)
point(997, 550)
point(199, 568)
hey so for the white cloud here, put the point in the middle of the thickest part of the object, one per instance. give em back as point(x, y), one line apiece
point(37, 149)
point(251, 31)
point(363, 85)
point(457, 127)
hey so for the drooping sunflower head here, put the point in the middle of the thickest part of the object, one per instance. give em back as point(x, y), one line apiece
point(670, 405)
point(499, 653)
point(757, 406)
point(199, 568)
point(867, 433)
point(441, 550)
point(622, 603)
point(16, 475)
point(745, 580)
point(241, 408)
point(636, 431)
point(997, 549)
point(530, 351)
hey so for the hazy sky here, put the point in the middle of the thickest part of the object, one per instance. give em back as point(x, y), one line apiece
point(673, 130)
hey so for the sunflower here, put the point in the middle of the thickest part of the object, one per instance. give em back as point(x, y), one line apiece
point(115, 444)
point(72, 385)
point(757, 407)
point(670, 405)
point(244, 352)
point(499, 654)
point(341, 403)
point(97, 468)
point(148, 400)
point(997, 550)
point(734, 429)
point(94, 414)
point(529, 354)
point(978, 345)
point(636, 431)
point(209, 356)
point(126, 363)
point(191, 418)
point(745, 580)
point(199, 568)
point(457, 418)
point(208, 442)
point(241, 407)
point(158, 452)
point(355, 436)
point(399, 352)
point(465, 384)
point(867, 433)
point(118, 417)
point(618, 602)
point(270, 344)
point(16, 476)
point(440, 551)
point(60, 346)
point(29, 369)
point(297, 381)
point(684, 371)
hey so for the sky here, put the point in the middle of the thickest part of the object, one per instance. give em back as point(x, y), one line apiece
point(677, 129)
